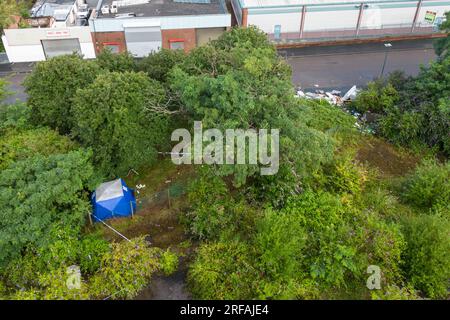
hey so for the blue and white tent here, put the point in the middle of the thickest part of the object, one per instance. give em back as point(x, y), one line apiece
point(113, 199)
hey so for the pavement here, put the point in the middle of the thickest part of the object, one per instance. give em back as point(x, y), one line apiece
point(14, 74)
point(341, 67)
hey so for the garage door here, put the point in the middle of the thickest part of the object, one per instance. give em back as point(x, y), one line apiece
point(141, 41)
point(53, 48)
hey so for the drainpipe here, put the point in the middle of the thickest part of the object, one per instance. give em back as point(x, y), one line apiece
point(416, 15)
point(302, 23)
point(358, 24)
point(244, 17)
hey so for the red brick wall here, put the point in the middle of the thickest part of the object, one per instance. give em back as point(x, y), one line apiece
point(188, 35)
point(102, 38)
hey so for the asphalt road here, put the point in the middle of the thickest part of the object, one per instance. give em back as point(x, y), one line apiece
point(330, 67)
point(340, 67)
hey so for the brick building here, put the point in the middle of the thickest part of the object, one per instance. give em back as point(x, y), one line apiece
point(142, 26)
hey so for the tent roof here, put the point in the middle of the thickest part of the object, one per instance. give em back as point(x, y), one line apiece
point(109, 190)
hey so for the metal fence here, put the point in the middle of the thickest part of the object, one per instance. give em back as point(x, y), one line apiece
point(353, 33)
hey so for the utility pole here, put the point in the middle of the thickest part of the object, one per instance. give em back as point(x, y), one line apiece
point(387, 46)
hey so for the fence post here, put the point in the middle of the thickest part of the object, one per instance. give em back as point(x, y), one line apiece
point(90, 218)
point(168, 196)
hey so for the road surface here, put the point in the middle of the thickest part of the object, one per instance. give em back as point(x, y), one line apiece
point(331, 67)
point(340, 67)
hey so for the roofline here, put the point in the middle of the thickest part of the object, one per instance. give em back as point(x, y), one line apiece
point(222, 2)
point(323, 4)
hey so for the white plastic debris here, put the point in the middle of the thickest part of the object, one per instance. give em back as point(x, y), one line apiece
point(300, 93)
point(351, 94)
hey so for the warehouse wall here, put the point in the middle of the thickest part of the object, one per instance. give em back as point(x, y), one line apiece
point(326, 18)
point(24, 45)
point(344, 15)
point(102, 39)
point(266, 21)
point(207, 34)
point(187, 35)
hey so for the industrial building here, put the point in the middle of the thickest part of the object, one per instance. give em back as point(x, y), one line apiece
point(137, 26)
point(50, 31)
point(143, 26)
point(303, 20)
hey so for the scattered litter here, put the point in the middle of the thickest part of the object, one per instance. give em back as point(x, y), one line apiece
point(333, 97)
point(140, 186)
point(351, 94)
point(168, 181)
point(300, 93)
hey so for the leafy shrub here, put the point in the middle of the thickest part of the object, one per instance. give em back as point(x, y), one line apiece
point(168, 262)
point(38, 192)
point(426, 259)
point(345, 175)
point(19, 145)
point(223, 270)
point(393, 292)
point(53, 84)
point(16, 116)
point(125, 270)
point(158, 65)
point(377, 97)
point(428, 185)
point(280, 239)
point(122, 129)
point(115, 62)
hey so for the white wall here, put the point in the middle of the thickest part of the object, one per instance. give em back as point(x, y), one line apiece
point(25, 53)
point(331, 20)
point(440, 11)
point(376, 17)
point(335, 17)
point(290, 22)
point(24, 45)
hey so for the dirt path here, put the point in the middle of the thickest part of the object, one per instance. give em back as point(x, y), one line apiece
point(160, 204)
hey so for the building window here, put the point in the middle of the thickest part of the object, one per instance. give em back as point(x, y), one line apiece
point(176, 44)
point(112, 46)
point(277, 32)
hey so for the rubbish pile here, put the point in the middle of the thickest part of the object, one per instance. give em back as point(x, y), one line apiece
point(333, 97)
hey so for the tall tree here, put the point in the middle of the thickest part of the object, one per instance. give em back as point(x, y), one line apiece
point(37, 193)
point(52, 86)
point(120, 128)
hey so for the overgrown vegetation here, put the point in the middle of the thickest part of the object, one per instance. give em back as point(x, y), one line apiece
point(308, 232)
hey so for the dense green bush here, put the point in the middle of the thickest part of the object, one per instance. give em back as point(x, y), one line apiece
point(168, 262)
point(125, 270)
point(419, 113)
point(223, 270)
point(426, 259)
point(116, 62)
point(377, 97)
point(214, 213)
point(38, 192)
point(280, 239)
point(52, 86)
point(158, 64)
point(16, 116)
point(428, 185)
point(19, 145)
point(122, 128)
